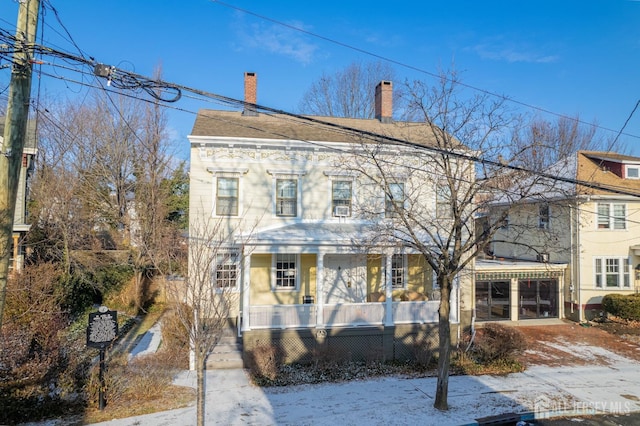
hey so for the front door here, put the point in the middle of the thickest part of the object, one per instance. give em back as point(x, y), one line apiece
point(537, 299)
point(345, 279)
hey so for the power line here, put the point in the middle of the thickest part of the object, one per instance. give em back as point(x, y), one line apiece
point(414, 68)
point(126, 80)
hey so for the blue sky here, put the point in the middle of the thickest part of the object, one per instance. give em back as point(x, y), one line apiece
point(564, 56)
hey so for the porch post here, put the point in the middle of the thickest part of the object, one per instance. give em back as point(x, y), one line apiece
point(320, 289)
point(388, 290)
point(246, 274)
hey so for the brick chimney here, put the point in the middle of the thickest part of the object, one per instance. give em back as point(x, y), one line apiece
point(384, 101)
point(250, 93)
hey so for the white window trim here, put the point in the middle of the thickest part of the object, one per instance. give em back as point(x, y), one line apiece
point(345, 178)
point(623, 261)
point(631, 166)
point(546, 223)
point(405, 274)
point(287, 174)
point(227, 173)
point(612, 217)
point(391, 214)
point(274, 261)
point(237, 262)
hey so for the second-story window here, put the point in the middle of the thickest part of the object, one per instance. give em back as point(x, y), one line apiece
point(612, 216)
point(341, 198)
point(227, 197)
point(286, 197)
point(543, 216)
point(444, 208)
point(394, 200)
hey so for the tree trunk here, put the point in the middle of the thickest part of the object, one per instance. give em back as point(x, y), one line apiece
point(444, 357)
point(201, 390)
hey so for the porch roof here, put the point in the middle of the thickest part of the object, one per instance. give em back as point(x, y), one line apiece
point(352, 236)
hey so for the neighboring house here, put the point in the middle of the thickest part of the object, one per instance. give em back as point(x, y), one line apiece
point(305, 265)
point(20, 226)
point(557, 255)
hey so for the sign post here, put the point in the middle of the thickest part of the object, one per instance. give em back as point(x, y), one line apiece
point(101, 331)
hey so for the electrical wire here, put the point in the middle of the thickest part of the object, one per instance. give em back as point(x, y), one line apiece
point(409, 66)
point(125, 80)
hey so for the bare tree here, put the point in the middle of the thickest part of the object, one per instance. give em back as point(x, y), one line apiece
point(539, 143)
point(432, 200)
point(347, 92)
point(206, 299)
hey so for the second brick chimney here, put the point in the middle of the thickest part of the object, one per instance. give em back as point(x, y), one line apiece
point(250, 93)
point(384, 101)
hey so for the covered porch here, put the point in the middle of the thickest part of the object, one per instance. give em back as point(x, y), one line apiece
point(320, 277)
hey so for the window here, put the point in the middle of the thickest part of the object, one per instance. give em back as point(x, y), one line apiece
point(543, 217)
point(394, 200)
point(227, 197)
point(286, 271)
point(286, 197)
point(397, 271)
point(633, 172)
point(443, 203)
point(612, 216)
point(341, 198)
point(227, 270)
point(612, 272)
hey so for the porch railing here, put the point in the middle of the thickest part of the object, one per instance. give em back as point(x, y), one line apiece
point(343, 314)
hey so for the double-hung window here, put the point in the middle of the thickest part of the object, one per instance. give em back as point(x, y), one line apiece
point(543, 216)
point(227, 196)
point(394, 199)
point(444, 208)
point(287, 197)
point(612, 216)
point(612, 272)
point(341, 198)
point(286, 271)
point(398, 271)
point(226, 270)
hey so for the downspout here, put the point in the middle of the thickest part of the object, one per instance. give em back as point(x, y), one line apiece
point(578, 266)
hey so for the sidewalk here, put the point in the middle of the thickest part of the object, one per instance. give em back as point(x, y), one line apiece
point(609, 384)
point(540, 391)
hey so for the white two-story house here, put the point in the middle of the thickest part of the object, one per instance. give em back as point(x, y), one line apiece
point(308, 263)
point(557, 255)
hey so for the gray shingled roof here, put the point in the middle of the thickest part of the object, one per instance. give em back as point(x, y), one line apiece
point(234, 124)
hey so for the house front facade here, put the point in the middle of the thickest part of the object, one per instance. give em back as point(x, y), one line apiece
point(307, 259)
point(581, 242)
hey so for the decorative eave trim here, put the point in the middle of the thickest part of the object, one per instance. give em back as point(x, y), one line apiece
point(227, 172)
point(295, 173)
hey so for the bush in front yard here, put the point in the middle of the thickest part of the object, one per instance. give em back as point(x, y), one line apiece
point(624, 306)
point(496, 342)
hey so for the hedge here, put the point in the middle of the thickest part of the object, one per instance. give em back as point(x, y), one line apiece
point(623, 306)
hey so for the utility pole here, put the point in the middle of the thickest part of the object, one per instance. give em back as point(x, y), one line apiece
point(15, 130)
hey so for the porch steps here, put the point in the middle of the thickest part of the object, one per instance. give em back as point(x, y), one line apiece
point(227, 354)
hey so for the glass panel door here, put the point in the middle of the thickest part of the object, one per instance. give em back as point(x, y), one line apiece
point(527, 299)
point(537, 299)
point(548, 298)
point(492, 300)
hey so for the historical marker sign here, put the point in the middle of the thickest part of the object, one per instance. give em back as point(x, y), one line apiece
point(102, 329)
